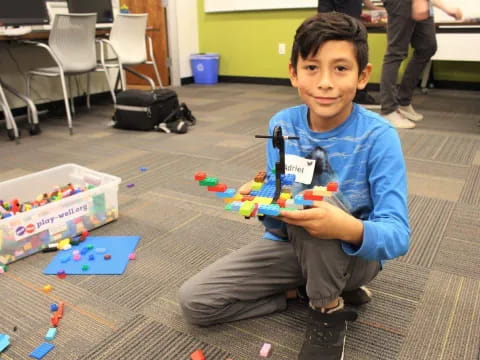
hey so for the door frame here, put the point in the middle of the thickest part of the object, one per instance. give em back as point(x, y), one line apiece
point(172, 42)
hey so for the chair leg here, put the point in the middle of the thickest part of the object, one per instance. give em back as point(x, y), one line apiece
point(154, 63)
point(9, 119)
point(69, 79)
point(28, 84)
point(67, 106)
point(121, 72)
point(88, 91)
point(109, 83)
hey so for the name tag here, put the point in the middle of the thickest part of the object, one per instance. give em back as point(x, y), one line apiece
point(302, 168)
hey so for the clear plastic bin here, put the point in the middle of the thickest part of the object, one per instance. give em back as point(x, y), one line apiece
point(28, 232)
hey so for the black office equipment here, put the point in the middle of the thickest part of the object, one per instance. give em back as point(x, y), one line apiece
point(103, 8)
point(23, 12)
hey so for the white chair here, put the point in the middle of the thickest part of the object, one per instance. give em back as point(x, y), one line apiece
point(127, 39)
point(12, 129)
point(71, 44)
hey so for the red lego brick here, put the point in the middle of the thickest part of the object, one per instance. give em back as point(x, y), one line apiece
point(199, 176)
point(54, 320)
point(217, 188)
point(332, 186)
point(254, 211)
point(308, 195)
point(197, 355)
point(282, 202)
point(248, 198)
point(61, 305)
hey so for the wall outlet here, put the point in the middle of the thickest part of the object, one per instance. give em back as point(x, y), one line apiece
point(281, 48)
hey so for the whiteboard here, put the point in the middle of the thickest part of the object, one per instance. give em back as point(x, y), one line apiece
point(245, 5)
point(470, 9)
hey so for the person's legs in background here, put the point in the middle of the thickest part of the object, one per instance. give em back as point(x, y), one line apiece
point(424, 43)
point(400, 30)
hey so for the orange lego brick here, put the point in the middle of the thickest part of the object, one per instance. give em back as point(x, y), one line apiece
point(197, 355)
point(201, 175)
point(260, 177)
point(282, 202)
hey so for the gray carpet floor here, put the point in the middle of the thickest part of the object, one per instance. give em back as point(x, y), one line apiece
point(426, 304)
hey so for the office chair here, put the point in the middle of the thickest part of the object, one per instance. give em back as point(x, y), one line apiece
point(127, 38)
point(12, 129)
point(71, 45)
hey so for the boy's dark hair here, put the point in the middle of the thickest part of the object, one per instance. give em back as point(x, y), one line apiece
point(323, 27)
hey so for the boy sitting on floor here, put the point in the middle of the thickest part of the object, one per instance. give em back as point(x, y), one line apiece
point(335, 247)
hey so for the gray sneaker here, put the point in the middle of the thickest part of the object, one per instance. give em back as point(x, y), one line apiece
point(399, 121)
point(410, 113)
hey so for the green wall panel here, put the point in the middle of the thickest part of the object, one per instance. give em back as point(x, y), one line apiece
point(247, 42)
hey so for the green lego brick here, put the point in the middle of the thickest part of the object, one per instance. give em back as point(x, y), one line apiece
point(208, 181)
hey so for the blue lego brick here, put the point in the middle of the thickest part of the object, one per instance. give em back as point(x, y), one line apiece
point(51, 334)
point(41, 351)
point(287, 179)
point(229, 193)
point(236, 205)
point(254, 192)
point(272, 210)
point(4, 341)
point(267, 191)
point(299, 200)
point(53, 307)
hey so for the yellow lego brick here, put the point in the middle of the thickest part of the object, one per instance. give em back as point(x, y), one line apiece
point(228, 200)
point(63, 243)
point(238, 197)
point(321, 191)
point(260, 200)
point(247, 208)
point(285, 196)
point(257, 186)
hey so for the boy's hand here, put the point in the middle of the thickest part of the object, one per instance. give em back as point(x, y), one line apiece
point(326, 221)
point(246, 188)
point(456, 13)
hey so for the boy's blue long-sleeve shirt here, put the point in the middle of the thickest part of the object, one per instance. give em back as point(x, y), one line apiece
point(364, 156)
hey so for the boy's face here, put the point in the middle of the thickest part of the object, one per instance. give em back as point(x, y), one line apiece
point(327, 83)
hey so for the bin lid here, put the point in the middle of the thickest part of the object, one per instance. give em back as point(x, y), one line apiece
point(204, 56)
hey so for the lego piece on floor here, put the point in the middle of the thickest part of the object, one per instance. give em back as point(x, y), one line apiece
point(41, 351)
point(53, 307)
point(200, 175)
point(132, 256)
point(197, 355)
point(60, 309)
point(266, 350)
point(4, 341)
point(47, 288)
point(51, 334)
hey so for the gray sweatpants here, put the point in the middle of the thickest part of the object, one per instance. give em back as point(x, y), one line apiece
point(252, 281)
point(402, 31)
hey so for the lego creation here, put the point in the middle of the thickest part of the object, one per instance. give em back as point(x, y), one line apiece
point(270, 193)
point(119, 248)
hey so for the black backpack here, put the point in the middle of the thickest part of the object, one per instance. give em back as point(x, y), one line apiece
point(151, 110)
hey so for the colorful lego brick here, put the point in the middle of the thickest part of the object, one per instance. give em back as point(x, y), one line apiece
point(217, 188)
point(332, 186)
point(85, 267)
point(228, 207)
point(199, 176)
point(260, 177)
point(299, 200)
point(41, 351)
point(257, 185)
point(51, 334)
point(282, 202)
point(229, 193)
point(254, 211)
point(285, 196)
point(54, 319)
point(287, 179)
point(65, 259)
point(290, 204)
point(236, 205)
point(321, 191)
point(262, 200)
point(91, 257)
point(61, 274)
point(132, 256)
point(4, 341)
point(266, 350)
point(63, 243)
point(247, 208)
point(53, 307)
point(209, 181)
point(107, 256)
point(309, 195)
point(61, 306)
point(47, 288)
point(272, 210)
point(197, 355)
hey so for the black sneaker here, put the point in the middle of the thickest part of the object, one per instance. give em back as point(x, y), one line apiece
point(325, 335)
point(356, 297)
point(363, 98)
